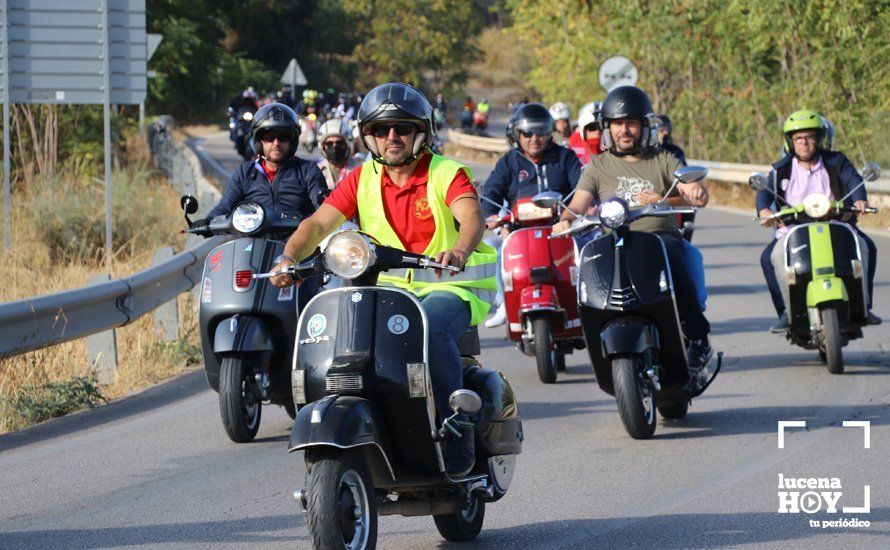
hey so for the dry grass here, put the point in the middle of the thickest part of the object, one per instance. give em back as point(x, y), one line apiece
point(35, 266)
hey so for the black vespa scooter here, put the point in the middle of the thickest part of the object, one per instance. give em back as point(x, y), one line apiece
point(246, 326)
point(367, 417)
point(629, 315)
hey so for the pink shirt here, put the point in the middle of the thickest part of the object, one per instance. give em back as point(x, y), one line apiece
point(802, 183)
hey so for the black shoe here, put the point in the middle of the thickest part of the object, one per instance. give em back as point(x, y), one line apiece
point(698, 355)
point(874, 319)
point(459, 452)
point(782, 325)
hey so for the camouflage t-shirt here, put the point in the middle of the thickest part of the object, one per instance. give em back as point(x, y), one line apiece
point(608, 176)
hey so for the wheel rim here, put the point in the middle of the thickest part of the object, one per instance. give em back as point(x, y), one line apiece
point(251, 407)
point(352, 505)
point(468, 513)
point(647, 400)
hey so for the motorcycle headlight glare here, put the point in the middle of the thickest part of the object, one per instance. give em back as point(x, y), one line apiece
point(816, 205)
point(247, 217)
point(248, 116)
point(348, 254)
point(613, 213)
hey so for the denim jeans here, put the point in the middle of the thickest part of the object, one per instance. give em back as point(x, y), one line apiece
point(448, 318)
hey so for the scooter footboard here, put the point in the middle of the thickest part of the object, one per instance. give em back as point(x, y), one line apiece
point(342, 422)
point(498, 425)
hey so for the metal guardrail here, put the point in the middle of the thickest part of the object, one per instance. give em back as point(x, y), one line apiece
point(729, 172)
point(42, 321)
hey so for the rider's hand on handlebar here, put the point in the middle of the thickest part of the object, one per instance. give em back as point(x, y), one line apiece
point(284, 279)
point(455, 257)
point(560, 226)
point(765, 219)
point(861, 206)
point(648, 197)
point(492, 221)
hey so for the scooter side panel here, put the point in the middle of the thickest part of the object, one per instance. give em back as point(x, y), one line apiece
point(498, 425)
point(596, 272)
point(522, 250)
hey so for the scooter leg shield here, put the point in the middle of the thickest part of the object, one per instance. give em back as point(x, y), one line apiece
point(826, 289)
point(628, 335)
point(242, 334)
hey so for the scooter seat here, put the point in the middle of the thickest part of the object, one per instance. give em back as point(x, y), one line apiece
point(468, 345)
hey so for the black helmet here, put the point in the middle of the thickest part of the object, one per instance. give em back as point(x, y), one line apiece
point(529, 117)
point(627, 102)
point(275, 116)
point(511, 139)
point(396, 101)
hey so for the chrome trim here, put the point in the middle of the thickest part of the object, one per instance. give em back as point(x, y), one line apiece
point(670, 280)
point(392, 472)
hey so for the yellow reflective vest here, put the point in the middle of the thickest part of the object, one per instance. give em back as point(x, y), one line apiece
point(476, 284)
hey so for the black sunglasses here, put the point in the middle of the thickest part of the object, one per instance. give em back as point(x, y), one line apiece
point(401, 128)
point(534, 132)
point(269, 137)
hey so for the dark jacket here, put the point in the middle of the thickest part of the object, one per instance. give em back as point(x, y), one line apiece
point(515, 176)
point(842, 178)
point(298, 190)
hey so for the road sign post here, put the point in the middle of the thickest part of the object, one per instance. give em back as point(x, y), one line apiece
point(294, 76)
point(617, 71)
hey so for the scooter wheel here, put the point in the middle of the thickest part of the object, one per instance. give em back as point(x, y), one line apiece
point(543, 353)
point(674, 411)
point(239, 408)
point(636, 400)
point(464, 525)
point(831, 339)
point(341, 505)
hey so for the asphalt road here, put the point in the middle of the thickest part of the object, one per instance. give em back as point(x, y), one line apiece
point(156, 470)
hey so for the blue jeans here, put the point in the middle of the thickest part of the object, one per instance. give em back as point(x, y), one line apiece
point(696, 264)
point(448, 317)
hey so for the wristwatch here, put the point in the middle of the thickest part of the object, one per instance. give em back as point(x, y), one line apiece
point(282, 257)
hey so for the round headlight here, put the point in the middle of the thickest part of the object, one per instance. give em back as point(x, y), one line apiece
point(247, 217)
point(816, 205)
point(613, 213)
point(348, 254)
point(248, 116)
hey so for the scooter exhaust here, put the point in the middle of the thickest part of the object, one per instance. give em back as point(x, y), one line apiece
point(300, 497)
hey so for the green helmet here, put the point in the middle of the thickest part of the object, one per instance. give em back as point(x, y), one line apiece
point(804, 119)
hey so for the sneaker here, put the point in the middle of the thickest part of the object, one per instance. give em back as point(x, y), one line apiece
point(874, 319)
point(459, 453)
point(499, 317)
point(782, 324)
point(698, 355)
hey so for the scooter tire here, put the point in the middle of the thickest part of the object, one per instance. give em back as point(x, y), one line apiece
point(543, 353)
point(831, 339)
point(335, 476)
point(464, 525)
point(240, 417)
point(637, 409)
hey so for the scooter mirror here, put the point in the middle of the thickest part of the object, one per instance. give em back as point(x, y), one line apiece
point(189, 204)
point(547, 199)
point(689, 174)
point(758, 181)
point(871, 172)
point(465, 401)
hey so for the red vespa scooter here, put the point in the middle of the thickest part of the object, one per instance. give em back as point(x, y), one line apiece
point(539, 276)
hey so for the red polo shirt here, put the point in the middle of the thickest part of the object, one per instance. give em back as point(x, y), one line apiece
point(406, 208)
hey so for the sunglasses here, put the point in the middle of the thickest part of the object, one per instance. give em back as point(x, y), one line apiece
point(270, 137)
point(534, 132)
point(401, 128)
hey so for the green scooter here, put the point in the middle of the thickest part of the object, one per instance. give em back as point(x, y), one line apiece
point(824, 269)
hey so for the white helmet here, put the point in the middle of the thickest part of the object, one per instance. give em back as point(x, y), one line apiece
point(589, 114)
point(333, 127)
point(560, 111)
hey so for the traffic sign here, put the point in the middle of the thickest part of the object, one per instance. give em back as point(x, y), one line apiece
point(293, 75)
point(617, 71)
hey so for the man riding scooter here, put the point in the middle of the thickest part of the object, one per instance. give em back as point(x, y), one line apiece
point(634, 170)
point(534, 164)
point(810, 168)
point(411, 199)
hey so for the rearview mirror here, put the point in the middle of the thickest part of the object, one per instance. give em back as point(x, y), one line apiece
point(464, 401)
point(689, 174)
point(871, 172)
point(189, 204)
point(758, 181)
point(547, 199)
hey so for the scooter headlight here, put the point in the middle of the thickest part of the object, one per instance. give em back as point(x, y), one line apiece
point(348, 254)
point(247, 217)
point(613, 213)
point(816, 205)
point(248, 116)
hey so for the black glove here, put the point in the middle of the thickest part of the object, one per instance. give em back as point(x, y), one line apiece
point(200, 227)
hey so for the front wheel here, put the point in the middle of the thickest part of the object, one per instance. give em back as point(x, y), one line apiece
point(239, 407)
point(636, 400)
point(341, 505)
point(464, 525)
point(831, 339)
point(543, 354)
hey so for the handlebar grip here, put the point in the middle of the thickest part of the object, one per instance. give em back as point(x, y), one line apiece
point(871, 209)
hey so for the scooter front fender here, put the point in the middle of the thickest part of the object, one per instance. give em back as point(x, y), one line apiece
point(342, 422)
point(826, 289)
point(242, 333)
point(537, 298)
point(628, 335)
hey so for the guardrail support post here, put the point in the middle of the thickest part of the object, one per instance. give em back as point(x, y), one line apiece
point(102, 346)
point(166, 316)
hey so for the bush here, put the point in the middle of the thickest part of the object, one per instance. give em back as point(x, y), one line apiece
point(38, 403)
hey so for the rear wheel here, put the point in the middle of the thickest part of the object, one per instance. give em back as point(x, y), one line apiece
point(543, 353)
point(341, 505)
point(831, 339)
point(239, 407)
point(674, 411)
point(464, 525)
point(635, 395)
